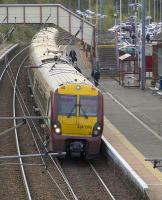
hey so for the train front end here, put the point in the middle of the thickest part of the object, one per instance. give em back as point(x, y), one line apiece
point(77, 120)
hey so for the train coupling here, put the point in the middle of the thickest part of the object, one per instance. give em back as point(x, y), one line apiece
point(76, 148)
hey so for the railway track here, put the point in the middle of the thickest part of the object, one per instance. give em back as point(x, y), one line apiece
point(43, 183)
point(9, 185)
point(10, 179)
point(97, 179)
point(86, 183)
point(50, 172)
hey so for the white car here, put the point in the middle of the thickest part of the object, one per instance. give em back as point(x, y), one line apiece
point(131, 49)
point(114, 28)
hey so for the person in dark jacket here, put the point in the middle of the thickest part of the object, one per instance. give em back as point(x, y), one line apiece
point(133, 38)
point(73, 56)
point(148, 37)
point(96, 75)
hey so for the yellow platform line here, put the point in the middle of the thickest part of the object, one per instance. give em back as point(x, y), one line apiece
point(132, 149)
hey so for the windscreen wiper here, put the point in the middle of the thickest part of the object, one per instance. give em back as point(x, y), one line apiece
point(84, 113)
point(71, 112)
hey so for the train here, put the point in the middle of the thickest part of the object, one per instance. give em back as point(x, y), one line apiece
point(74, 106)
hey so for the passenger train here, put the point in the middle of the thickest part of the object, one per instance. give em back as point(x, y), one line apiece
point(74, 106)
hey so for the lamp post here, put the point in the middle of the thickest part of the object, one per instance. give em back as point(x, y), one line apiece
point(115, 16)
point(78, 4)
point(142, 67)
point(149, 11)
point(89, 4)
point(101, 18)
point(160, 10)
point(120, 16)
point(154, 10)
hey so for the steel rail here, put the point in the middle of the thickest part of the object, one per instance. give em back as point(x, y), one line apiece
point(102, 182)
point(8, 64)
point(7, 51)
point(57, 164)
point(16, 134)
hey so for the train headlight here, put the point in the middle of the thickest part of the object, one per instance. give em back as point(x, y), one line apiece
point(58, 130)
point(55, 125)
point(97, 129)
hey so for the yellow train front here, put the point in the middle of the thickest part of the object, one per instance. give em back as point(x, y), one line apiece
point(77, 119)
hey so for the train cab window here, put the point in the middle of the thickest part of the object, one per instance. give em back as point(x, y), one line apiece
point(88, 106)
point(67, 105)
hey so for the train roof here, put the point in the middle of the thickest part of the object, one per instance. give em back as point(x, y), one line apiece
point(51, 62)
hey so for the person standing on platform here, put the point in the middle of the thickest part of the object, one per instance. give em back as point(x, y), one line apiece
point(96, 75)
point(133, 38)
point(148, 37)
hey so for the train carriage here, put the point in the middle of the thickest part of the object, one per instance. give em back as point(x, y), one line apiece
point(73, 104)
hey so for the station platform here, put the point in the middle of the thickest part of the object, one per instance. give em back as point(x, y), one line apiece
point(133, 126)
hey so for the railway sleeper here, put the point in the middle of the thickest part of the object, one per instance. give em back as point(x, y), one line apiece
point(29, 86)
point(31, 91)
point(46, 141)
point(45, 135)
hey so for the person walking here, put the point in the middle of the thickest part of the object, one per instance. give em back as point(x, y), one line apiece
point(73, 56)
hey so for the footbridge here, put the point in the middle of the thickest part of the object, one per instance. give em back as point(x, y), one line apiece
point(51, 14)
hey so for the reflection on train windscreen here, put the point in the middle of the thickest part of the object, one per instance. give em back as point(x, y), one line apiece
point(67, 105)
point(88, 106)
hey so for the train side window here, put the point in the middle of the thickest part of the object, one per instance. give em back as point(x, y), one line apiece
point(49, 111)
point(42, 98)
